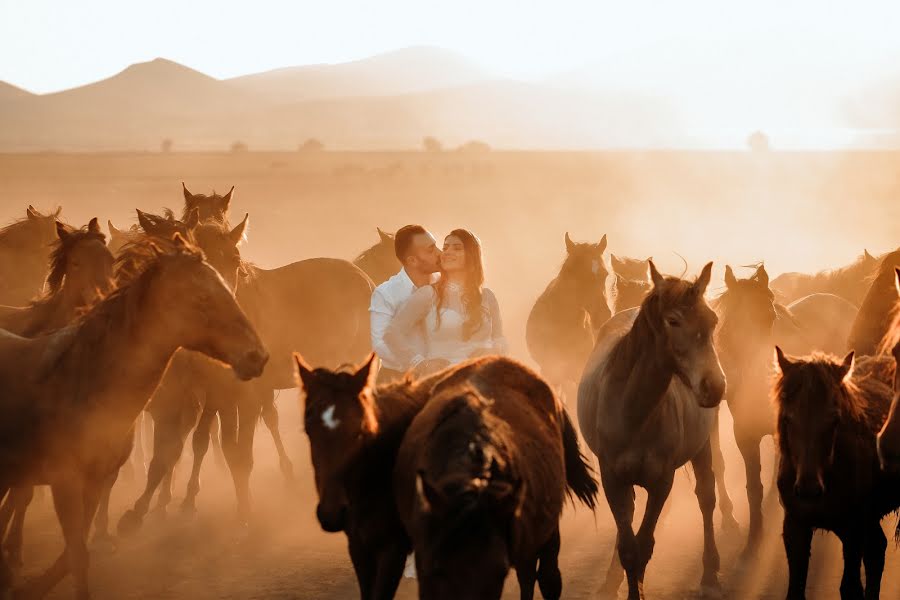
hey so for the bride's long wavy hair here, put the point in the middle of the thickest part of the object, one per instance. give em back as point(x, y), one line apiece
point(473, 283)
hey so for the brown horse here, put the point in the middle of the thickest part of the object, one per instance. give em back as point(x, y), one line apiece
point(354, 433)
point(69, 399)
point(876, 310)
point(751, 322)
point(828, 414)
point(849, 282)
point(628, 293)
point(889, 436)
point(209, 208)
point(379, 262)
point(560, 328)
point(480, 481)
point(24, 251)
point(632, 269)
point(80, 274)
point(646, 405)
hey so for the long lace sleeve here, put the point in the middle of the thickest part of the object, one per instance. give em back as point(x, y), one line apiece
point(499, 344)
point(406, 324)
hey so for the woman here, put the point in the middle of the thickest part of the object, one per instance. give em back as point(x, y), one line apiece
point(459, 317)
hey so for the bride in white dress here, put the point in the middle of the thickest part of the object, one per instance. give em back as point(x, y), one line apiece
point(458, 316)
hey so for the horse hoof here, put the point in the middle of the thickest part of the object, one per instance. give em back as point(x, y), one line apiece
point(711, 591)
point(129, 523)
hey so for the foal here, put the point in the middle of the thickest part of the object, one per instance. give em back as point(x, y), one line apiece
point(646, 405)
point(827, 418)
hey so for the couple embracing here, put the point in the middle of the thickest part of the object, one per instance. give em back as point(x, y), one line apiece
point(436, 311)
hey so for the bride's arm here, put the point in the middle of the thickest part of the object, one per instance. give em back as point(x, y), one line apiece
point(499, 344)
point(406, 325)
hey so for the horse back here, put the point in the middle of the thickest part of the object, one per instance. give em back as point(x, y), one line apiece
point(815, 322)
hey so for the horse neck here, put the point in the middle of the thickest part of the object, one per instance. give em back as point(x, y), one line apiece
point(568, 296)
point(874, 316)
point(642, 373)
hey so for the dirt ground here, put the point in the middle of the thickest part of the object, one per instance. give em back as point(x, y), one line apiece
point(796, 211)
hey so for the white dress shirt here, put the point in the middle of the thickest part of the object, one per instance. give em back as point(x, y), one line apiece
point(387, 299)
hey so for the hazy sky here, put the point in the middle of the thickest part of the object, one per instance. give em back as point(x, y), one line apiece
point(47, 45)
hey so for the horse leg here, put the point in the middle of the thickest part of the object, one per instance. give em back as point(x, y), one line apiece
point(363, 558)
point(138, 461)
point(656, 500)
point(749, 447)
point(101, 520)
point(874, 548)
point(167, 447)
point(19, 500)
point(526, 573)
point(852, 547)
point(200, 444)
point(548, 576)
point(270, 417)
point(706, 497)
point(620, 497)
point(797, 544)
point(389, 570)
point(6, 575)
point(215, 436)
point(726, 506)
point(248, 416)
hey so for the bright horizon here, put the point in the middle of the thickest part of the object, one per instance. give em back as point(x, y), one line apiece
point(728, 70)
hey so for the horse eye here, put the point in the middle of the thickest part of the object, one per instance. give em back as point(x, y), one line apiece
point(673, 322)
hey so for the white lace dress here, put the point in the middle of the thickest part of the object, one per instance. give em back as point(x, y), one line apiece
point(444, 341)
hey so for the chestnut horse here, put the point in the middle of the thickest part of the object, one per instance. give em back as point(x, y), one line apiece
point(646, 406)
point(828, 415)
point(480, 481)
point(24, 251)
point(70, 398)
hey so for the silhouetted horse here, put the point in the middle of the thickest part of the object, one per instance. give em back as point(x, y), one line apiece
point(849, 282)
point(561, 326)
point(80, 274)
point(24, 252)
point(876, 310)
point(750, 324)
point(379, 262)
point(68, 400)
point(632, 269)
point(480, 481)
point(354, 433)
point(828, 414)
point(209, 208)
point(646, 405)
point(889, 436)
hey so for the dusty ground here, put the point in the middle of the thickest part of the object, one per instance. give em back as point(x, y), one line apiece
point(796, 211)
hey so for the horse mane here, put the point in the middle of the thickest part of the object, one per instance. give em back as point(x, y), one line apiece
point(60, 255)
point(369, 253)
point(19, 231)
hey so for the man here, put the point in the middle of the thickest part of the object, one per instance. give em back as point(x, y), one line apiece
point(417, 251)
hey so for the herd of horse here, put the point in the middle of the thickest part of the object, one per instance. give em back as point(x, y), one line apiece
point(468, 467)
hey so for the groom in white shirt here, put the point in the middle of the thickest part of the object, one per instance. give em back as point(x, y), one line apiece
point(417, 251)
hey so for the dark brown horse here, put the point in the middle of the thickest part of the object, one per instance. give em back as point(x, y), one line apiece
point(69, 399)
point(630, 268)
point(828, 415)
point(561, 326)
point(25, 247)
point(876, 310)
point(380, 261)
point(751, 322)
point(80, 274)
point(646, 405)
point(481, 478)
point(889, 436)
point(354, 433)
point(849, 282)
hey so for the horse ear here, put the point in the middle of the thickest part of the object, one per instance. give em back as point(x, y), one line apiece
point(193, 219)
point(31, 212)
point(782, 362)
point(385, 237)
point(846, 369)
point(144, 222)
point(730, 279)
point(762, 275)
point(112, 228)
point(703, 280)
point(614, 261)
point(570, 245)
point(655, 276)
point(61, 231)
point(897, 282)
point(188, 196)
point(867, 257)
point(226, 199)
point(367, 373)
point(305, 374)
point(507, 498)
point(602, 245)
point(430, 498)
point(179, 242)
point(94, 226)
point(239, 233)
point(58, 211)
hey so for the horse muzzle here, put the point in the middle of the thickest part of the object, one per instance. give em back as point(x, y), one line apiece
point(332, 521)
point(251, 365)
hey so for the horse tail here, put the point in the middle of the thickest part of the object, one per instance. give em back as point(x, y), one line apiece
point(580, 477)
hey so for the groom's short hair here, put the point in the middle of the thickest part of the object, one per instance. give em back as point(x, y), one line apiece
point(403, 240)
